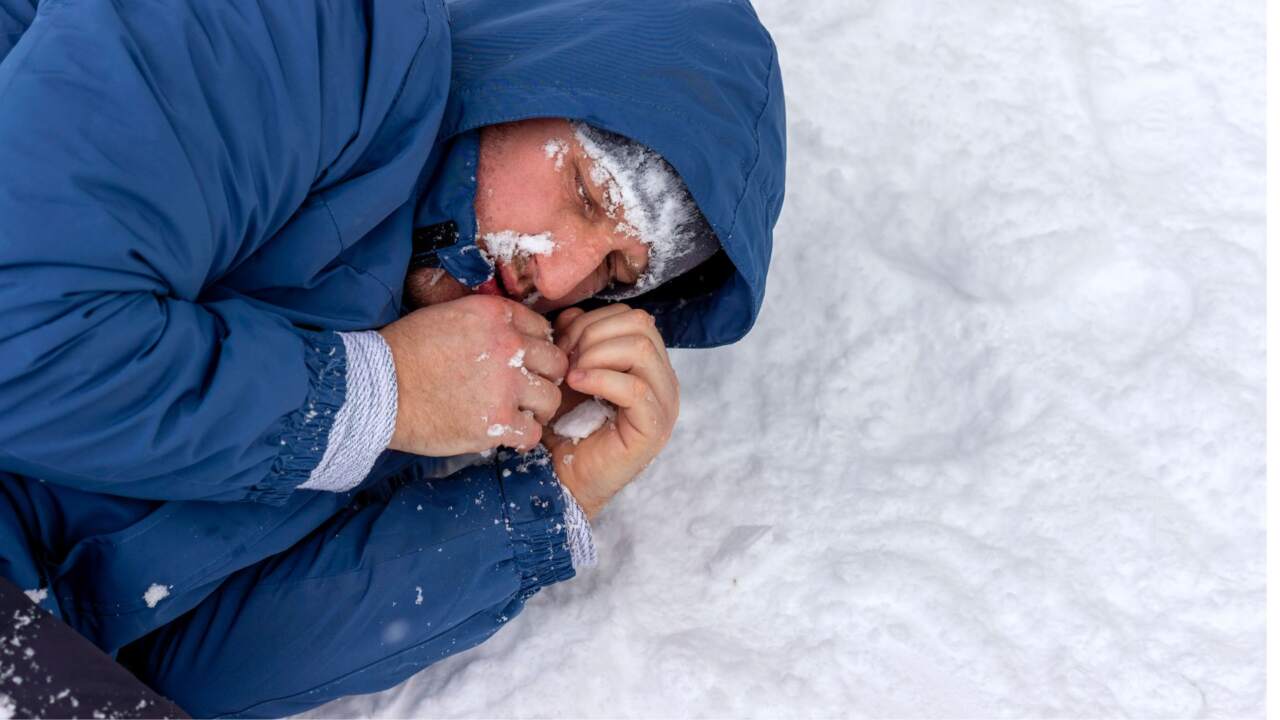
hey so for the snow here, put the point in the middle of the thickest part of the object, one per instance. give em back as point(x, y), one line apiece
point(656, 207)
point(38, 595)
point(556, 149)
point(584, 419)
point(507, 244)
point(995, 448)
point(155, 594)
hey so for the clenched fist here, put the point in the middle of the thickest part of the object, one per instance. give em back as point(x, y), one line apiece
point(616, 354)
point(473, 373)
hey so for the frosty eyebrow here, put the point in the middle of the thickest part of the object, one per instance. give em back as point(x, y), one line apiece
point(584, 188)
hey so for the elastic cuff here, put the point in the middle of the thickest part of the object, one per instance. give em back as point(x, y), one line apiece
point(582, 546)
point(304, 433)
point(363, 427)
point(535, 510)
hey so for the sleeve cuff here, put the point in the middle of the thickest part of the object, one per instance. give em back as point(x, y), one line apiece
point(301, 435)
point(535, 508)
point(363, 426)
point(582, 546)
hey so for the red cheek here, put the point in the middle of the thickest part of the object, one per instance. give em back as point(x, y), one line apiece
point(569, 273)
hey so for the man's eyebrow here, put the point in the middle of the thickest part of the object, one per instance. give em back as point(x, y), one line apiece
point(587, 184)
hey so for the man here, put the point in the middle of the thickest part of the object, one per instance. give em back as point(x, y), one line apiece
point(225, 423)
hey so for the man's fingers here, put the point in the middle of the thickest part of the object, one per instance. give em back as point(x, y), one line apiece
point(634, 322)
point(545, 359)
point(637, 403)
point(633, 354)
point(538, 397)
point(522, 434)
point(527, 321)
point(568, 339)
point(567, 316)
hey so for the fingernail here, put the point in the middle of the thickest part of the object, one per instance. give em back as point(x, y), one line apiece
point(577, 376)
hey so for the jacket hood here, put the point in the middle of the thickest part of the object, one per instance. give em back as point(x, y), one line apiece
point(695, 80)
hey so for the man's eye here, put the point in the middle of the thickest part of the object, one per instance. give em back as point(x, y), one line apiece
point(582, 194)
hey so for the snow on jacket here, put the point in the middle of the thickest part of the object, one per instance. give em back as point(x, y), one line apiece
point(197, 198)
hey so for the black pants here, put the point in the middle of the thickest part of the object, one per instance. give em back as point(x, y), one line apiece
point(49, 670)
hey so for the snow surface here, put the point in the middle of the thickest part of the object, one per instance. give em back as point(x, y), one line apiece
point(995, 448)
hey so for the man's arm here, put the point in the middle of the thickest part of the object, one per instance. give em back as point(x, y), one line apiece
point(144, 151)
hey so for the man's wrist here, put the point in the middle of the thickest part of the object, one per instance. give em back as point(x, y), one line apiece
point(396, 441)
point(590, 505)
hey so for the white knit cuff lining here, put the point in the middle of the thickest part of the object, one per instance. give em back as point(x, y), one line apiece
point(363, 427)
point(582, 547)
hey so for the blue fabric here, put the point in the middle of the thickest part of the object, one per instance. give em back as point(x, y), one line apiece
point(339, 613)
point(184, 187)
point(196, 197)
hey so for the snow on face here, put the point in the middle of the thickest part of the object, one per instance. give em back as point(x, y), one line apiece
point(542, 220)
point(555, 149)
point(644, 193)
point(506, 244)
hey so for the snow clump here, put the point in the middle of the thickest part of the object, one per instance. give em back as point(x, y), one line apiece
point(155, 594)
point(507, 244)
point(584, 419)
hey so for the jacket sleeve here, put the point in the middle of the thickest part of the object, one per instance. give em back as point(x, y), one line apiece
point(145, 149)
point(413, 572)
point(15, 16)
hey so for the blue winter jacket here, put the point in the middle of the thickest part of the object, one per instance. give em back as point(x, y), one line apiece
point(194, 197)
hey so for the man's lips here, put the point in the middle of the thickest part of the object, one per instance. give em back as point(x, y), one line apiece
point(498, 284)
point(490, 287)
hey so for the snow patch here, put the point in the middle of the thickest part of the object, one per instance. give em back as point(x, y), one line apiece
point(556, 148)
point(507, 244)
point(155, 594)
point(645, 194)
point(584, 419)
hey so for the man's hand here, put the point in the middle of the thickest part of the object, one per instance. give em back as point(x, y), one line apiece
point(616, 354)
point(473, 373)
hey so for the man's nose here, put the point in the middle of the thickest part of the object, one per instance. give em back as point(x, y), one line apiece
point(524, 277)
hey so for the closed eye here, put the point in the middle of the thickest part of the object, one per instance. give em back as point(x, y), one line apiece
point(588, 206)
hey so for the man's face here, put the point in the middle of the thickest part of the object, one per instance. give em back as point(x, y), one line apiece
point(534, 178)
